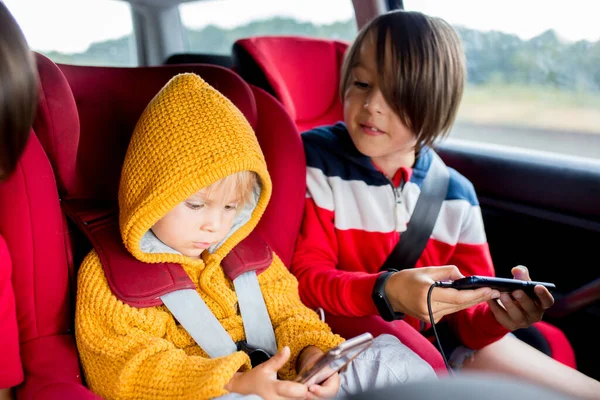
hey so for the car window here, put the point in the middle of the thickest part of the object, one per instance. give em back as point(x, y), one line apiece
point(213, 26)
point(90, 32)
point(533, 75)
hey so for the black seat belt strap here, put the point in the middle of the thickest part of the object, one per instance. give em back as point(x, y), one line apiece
point(412, 242)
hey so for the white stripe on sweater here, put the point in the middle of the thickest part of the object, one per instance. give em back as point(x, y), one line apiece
point(357, 205)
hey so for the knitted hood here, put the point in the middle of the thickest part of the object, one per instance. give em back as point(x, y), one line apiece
point(188, 137)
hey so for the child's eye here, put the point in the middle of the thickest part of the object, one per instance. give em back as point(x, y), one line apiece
point(231, 207)
point(361, 85)
point(193, 206)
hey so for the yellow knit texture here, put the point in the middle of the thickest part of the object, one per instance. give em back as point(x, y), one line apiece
point(187, 138)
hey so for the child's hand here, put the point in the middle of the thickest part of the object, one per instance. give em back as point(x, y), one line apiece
point(407, 292)
point(263, 381)
point(519, 310)
point(327, 389)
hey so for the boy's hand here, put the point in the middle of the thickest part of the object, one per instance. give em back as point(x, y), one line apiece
point(263, 381)
point(518, 310)
point(407, 292)
point(327, 389)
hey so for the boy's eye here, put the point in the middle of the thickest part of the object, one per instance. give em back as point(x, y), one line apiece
point(231, 207)
point(194, 206)
point(361, 85)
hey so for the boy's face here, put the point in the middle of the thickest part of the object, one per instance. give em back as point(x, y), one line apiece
point(202, 220)
point(374, 127)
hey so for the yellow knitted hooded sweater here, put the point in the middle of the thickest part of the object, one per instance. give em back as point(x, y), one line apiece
point(188, 137)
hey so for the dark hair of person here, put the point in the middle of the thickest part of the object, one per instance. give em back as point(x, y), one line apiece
point(18, 92)
point(421, 69)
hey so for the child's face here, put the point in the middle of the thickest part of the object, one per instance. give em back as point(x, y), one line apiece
point(374, 127)
point(204, 219)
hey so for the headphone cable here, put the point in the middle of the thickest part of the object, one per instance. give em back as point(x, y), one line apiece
point(432, 320)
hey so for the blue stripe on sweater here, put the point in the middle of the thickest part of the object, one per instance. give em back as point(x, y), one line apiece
point(330, 149)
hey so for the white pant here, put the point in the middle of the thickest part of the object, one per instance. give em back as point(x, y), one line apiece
point(386, 362)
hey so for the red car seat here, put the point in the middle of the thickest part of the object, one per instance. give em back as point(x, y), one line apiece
point(110, 100)
point(36, 235)
point(37, 238)
point(303, 73)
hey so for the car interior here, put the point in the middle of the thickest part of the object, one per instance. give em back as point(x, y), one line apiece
point(540, 209)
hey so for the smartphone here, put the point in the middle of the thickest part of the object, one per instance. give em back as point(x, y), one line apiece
point(500, 284)
point(335, 359)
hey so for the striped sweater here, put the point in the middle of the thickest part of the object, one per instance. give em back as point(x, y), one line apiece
point(355, 215)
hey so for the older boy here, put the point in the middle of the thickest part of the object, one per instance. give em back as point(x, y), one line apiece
point(401, 85)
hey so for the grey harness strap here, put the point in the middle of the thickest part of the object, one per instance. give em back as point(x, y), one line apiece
point(194, 315)
point(257, 323)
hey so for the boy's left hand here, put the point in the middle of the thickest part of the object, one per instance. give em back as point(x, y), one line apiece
point(519, 310)
point(327, 389)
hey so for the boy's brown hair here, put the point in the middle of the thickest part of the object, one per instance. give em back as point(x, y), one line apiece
point(421, 70)
point(18, 92)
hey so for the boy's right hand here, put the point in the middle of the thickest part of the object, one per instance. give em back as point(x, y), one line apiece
point(407, 292)
point(262, 380)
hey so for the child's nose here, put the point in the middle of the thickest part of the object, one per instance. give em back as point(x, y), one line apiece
point(212, 221)
point(373, 101)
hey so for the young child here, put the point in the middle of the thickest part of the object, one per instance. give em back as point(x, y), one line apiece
point(193, 185)
point(401, 85)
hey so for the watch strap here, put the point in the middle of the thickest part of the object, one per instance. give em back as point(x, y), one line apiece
point(380, 298)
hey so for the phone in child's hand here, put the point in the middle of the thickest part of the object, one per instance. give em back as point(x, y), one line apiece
point(335, 359)
point(500, 284)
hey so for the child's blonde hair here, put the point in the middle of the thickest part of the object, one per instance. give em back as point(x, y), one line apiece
point(421, 70)
point(242, 181)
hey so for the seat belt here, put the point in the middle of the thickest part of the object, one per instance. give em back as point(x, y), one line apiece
point(412, 242)
point(198, 320)
point(257, 323)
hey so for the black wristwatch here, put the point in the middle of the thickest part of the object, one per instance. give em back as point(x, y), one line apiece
point(380, 299)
